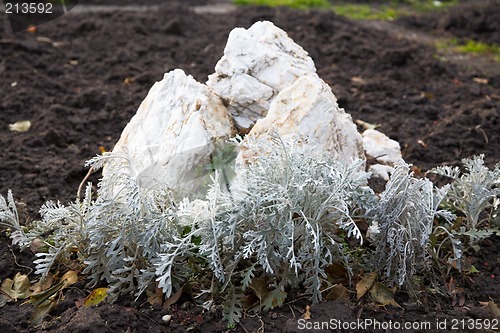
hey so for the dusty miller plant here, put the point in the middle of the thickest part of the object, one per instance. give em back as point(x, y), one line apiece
point(475, 195)
point(62, 230)
point(405, 214)
point(281, 225)
point(127, 225)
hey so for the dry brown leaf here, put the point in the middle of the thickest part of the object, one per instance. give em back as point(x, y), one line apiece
point(156, 297)
point(19, 288)
point(20, 126)
point(307, 314)
point(69, 278)
point(365, 284)
point(43, 285)
point(336, 273)
point(338, 292)
point(41, 311)
point(4, 299)
point(493, 307)
point(383, 296)
point(37, 245)
point(259, 286)
point(173, 298)
point(480, 80)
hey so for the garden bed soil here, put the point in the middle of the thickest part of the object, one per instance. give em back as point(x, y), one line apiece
point(80, 78)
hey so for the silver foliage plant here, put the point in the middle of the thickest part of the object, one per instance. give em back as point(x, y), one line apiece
point(405, 215)
point(475, 195)
point(278, 225)
point(282, 222)
point(62, 230)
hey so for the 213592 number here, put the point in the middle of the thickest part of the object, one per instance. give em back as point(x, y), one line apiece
point(28, 8)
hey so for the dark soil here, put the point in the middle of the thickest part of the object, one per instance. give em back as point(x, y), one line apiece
point(80, 78)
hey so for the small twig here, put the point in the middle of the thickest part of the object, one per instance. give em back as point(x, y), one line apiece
point(261, 329)
point(360, 311)
point(243, 328)
point(479, 129)
point(299, 297)
point(18, 264)
point(78, 193)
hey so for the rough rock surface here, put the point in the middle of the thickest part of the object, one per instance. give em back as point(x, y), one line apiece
point(176, 129)
point(307, 113)
point(257, 64)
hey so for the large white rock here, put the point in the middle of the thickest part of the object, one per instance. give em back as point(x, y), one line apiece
point(308, 114)
point(257, 64)
point(176, 130)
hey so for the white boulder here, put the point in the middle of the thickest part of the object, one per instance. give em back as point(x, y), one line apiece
point(257, 64)
point(308, 114)
point(173, 135)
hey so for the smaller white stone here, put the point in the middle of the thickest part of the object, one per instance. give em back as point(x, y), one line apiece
point(166, 318)
point(381, 171)
point(379, 146)
point(384, 150)
point(373, 231)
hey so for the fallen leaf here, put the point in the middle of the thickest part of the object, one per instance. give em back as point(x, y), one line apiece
point(38, 245)
point(274, 299)
point(31, 28)
point(40, 286)
point(480, 80)
point(307, 314)
point(366, 125)
point(41, 298)
point(382, 295)
point(358, 80)
point(493, 307)
point(465, 265)
point(69, 278)
point(156, 297)
point(4, 299)
point(365, 284)
point(20, 126)
point(259, 286)
point(41, 311)
point(337, 273)
point(96, 296)
point(338, 292)
point(173, 298)
point(19, 288)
